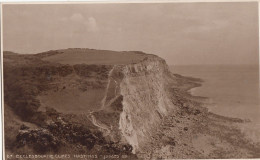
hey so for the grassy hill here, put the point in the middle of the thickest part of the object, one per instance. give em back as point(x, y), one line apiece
point(92, 56)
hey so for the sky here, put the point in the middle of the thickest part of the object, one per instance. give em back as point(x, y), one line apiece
point(181, 33)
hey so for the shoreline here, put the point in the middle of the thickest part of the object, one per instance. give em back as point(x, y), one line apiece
point(241, 123)
point(209, 101)
point(193, 132)
point(198, 82)
point(200, 133)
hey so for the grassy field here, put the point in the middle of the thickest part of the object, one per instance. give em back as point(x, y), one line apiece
point(90, 56)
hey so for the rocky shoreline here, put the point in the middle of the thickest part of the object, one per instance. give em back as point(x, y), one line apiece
point(196, 133)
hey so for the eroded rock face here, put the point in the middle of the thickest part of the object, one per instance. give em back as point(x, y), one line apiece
point(144, 100)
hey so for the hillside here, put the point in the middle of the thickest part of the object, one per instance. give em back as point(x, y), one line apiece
point(98, 102)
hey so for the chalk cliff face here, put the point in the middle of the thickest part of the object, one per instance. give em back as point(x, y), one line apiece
point(145, 100)
point(143, 88)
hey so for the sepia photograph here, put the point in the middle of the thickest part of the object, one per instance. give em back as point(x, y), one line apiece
point(130, 80)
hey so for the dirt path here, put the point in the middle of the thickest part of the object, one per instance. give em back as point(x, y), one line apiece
point(103, 127)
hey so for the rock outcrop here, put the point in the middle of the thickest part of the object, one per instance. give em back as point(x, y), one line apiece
point(142, 89)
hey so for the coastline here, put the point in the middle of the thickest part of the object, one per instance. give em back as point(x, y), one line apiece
point(198, 133)
point(186, 130)
point(232, 122)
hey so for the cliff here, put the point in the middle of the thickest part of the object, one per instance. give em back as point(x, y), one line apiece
point(98, 102)
point(137, 96)
point(124, 97)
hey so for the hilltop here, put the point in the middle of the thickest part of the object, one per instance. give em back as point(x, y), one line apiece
point(91, 56)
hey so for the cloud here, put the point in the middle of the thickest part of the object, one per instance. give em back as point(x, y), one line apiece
point(76, 17)
point(89, 23)
point(207, 26)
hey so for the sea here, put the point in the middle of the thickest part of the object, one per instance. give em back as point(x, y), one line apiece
point(232, 91)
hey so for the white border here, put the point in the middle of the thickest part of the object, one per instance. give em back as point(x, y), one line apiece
point(2, 2)
point(2, 151)
point(114, 1)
